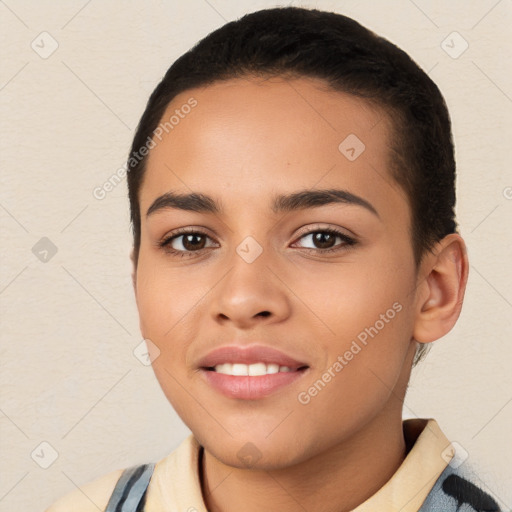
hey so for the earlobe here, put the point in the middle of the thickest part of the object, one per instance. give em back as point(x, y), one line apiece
point(441, 292)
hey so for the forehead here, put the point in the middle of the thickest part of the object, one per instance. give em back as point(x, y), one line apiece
point(247, 137)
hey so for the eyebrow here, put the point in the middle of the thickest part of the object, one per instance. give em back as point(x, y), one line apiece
point(283, 203)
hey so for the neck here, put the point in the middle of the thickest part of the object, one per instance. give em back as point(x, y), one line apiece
point(345, 476)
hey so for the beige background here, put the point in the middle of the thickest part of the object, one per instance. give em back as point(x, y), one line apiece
point(69, 376)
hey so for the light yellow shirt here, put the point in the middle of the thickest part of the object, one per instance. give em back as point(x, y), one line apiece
point(175, 484)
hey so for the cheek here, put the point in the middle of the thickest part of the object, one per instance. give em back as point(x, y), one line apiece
point(365, 363)
point(351, 298)
point(163, 298)
point(164, 304)
point(170, 304)
point(368, 311)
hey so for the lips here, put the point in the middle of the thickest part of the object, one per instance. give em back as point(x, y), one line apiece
point(250, 373)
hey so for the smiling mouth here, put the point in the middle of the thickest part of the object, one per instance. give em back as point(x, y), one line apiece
point(252, 381)
point(252, 370)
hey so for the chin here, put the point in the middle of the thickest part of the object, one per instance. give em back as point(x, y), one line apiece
point(254, 451)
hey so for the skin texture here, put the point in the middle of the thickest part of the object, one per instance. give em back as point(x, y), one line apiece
point(245, 141)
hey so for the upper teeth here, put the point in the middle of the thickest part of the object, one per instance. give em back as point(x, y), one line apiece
point(250, 369)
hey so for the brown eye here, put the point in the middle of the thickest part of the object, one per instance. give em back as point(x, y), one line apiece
point(324, 240)
point(185, 242)
point(193, 241)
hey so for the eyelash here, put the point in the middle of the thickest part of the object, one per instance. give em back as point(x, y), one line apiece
point(165, 242)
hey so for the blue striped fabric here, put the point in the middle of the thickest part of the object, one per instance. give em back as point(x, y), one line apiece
point(457, 490)
point(130, 492)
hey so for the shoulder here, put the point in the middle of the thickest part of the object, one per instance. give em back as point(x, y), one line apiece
point(89, 497)
point(173, 478)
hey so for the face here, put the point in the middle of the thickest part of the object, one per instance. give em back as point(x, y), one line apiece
point(311, 293)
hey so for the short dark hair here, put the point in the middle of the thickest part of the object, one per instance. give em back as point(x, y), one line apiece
point(296, 42)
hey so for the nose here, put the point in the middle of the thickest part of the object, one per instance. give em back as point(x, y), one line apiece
point(250, 293)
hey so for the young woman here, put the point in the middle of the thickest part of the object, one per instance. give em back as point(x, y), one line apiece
point(292, 192)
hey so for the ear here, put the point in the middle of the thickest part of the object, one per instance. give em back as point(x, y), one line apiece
point(440, 293)
point(134, 270)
